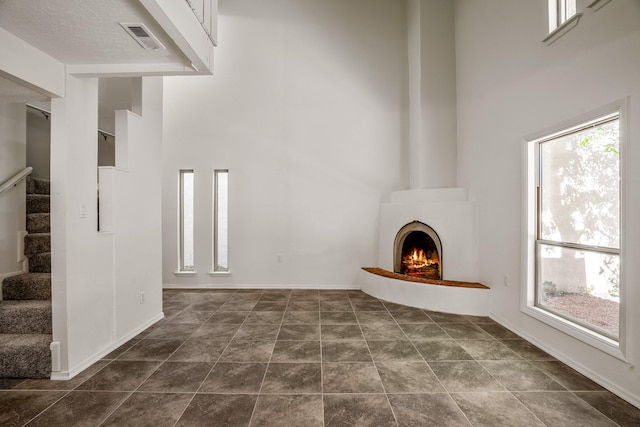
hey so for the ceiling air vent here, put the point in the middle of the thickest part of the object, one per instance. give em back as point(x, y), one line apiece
point(143, 36)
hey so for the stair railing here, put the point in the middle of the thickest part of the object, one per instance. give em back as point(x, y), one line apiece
point(15, 180)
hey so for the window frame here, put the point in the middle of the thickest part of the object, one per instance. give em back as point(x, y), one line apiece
point(182, 269)
point(559, 23)
point(559, 13)
point(531, 171)
point(216, 270)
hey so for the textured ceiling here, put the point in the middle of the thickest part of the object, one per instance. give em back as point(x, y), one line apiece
point(86, 31)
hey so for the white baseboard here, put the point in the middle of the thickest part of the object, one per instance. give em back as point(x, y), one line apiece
point(67, 375)
point(263, 286)
point(594, 376)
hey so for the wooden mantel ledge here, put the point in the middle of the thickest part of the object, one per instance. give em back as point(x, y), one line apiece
point(456, 284)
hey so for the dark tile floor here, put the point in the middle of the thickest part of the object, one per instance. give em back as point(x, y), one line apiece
point(316, 358)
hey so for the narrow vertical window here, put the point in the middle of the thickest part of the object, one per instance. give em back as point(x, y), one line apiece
point(186, 220)
point(221, 220)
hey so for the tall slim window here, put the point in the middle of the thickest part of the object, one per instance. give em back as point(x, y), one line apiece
point(560, 11)
point(221, 220)
point(577, 242)
point(186, 220)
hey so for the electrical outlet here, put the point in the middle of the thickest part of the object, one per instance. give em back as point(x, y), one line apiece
point(141, 297)
point(506, 280)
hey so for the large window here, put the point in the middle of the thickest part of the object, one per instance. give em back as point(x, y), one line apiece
point(576, 225)
point(220, 221)
point(186, 220)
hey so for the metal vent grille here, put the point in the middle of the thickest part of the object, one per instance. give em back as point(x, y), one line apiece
point(143, 36)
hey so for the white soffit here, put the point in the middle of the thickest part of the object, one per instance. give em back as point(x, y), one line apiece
point(87, 31)
point(14, 92)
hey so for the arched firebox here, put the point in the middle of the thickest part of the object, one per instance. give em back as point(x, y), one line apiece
point(418, 251)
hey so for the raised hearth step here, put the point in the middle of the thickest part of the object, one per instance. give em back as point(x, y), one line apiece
point(25, 356)
point(39, 223)
point(38, 186)
point(37, 243)
point(398, 276)
point(38, 203)
point(25, 317)
point(28, 286)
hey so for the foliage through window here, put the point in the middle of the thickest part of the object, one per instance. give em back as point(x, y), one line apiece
point(578, 225)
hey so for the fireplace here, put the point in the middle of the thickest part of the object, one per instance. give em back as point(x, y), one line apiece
point(418, 251)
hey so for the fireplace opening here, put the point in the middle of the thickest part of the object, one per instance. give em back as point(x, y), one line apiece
point(418, 251)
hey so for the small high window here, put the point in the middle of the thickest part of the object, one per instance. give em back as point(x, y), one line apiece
point(559, 12)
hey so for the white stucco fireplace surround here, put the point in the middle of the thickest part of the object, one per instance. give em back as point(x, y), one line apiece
point(450, 213)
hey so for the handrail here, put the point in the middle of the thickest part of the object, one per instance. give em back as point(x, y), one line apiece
point(15, 180)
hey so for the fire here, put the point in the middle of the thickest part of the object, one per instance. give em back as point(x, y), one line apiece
point(418, 263)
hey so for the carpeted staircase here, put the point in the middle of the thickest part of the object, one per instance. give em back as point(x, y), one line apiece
point(25, 309)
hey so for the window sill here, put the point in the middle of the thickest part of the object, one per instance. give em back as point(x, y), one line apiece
point(190, 273)
point(219, 273)
point(563, 29)
point(578, 332)
point(598, 4)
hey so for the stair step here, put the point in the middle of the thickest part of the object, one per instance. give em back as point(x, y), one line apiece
point(25, 356)
point(28, 286)
point(38, 203)
point(40, 263)
point(25, 317)
point(37, 243)
point(39, 223)
point(38, 186)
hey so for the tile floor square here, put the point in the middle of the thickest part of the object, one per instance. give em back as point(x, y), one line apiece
point(351, 378)
point(282, 378)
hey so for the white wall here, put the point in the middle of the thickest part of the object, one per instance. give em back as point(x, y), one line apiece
point(13, 123)
point(307, 108)
point(38, 143)
point(432, 93)
point(97, 277)
point(511, 85)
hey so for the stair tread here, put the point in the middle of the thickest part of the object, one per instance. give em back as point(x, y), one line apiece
point(25, 317)
point(24, 339)
point(38, 203)
point(25, 355)
point(38, 186)
point(38, 222)
point(26, 303)
point(27, 286)
point(23, 276)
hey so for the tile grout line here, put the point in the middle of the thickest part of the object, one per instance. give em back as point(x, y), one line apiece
point(264, 376)
point(384, 389)
point(146, 378)
point(429, 366)
point(214, 365)
point(321, 364)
